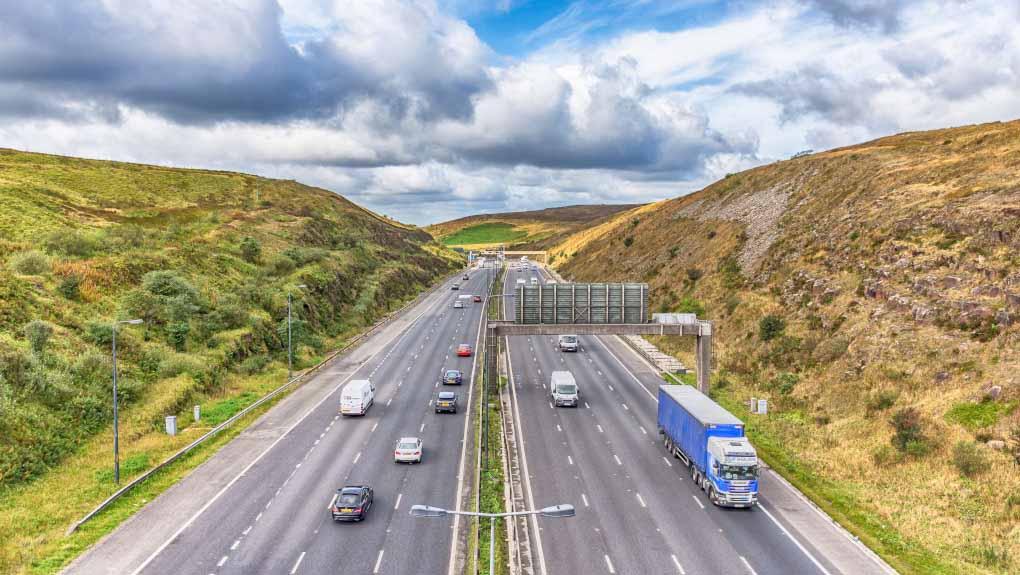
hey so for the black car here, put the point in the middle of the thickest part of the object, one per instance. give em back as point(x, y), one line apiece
point(446, 401)
point(453, 377)
point(466, 277)
point(351, 503)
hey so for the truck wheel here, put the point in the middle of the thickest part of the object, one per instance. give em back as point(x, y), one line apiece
point(712, 496)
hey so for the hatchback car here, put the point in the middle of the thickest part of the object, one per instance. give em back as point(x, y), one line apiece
point(464, 350)
point(476, 299)
point(446, 401)
point(407, 450)
point(351, 503)
point(458, 305)
point(453, 377)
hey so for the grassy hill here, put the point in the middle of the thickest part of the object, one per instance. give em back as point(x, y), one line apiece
point(207, 259)
point(537, 229)
point(872, 294)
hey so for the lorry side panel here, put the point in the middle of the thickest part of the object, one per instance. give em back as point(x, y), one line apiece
point(689, 434)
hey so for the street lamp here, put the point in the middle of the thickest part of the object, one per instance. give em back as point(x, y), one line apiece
point(290, 350)
point(555, 511)
point(116, 431)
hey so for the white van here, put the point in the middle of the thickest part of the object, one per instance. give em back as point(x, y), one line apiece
point(356, 397)
point(534, 281)
point(563, 389)
point(567, 342)
point(520, 281)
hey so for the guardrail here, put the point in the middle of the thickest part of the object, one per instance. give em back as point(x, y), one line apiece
point(214, 431)
point(664, 363)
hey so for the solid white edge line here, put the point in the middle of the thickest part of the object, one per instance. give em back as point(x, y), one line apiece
point(524, 457)
point(748, 565)
point(463, 449)
point(258, 458)
point(679, 567)
point(794, 539)
point(640, 500)
point(222, 561)
point(297, 563)
point(609, 563)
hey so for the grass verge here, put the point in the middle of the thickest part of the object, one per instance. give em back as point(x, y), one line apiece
point(487, 233)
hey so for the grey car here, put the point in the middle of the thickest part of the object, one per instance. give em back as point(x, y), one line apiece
point(446, 402)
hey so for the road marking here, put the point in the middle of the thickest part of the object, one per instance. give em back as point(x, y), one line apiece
point(609, 564)
point(297, 563)
point(236, 543)
point(332, 501)
point(611, 388)
point(222, 561)
point(378, 561)
point(357, 457)
point(679, 567)
point(558, 428)
point(600, 428)
point(397, 505)
point(316, 442)
point(268, 504)
point(643, 429)
point(570, 460)
point(618, 462)
point(258, 458)
point(629, 372)
point(422, 428)
point(246, 531)
point(259, 516)
point(374, 426)
point(698, 501)
point(586, 405)
point(600, 373)
point(667, 461)
point(640, 500)
point(795, 541)
point(550, 405)
point(585, 499)
point(748, 565)
point(389, 401)
point(625, 407)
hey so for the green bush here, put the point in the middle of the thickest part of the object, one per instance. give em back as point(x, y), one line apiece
point(30, 263)
point(729, 269)
point(694, 274)
point(70, 243)
point(254, 364)
point(91, 370)
point(785, 382)
point(69, 286)
point(907, 427)
point(974, 416)
point(673, 251)
point(688, 304)
point(38, 334)
point(99, 333)
point(968, 459)
point(831, 349)
point(280, 265)
point(627, 241)
point(771, 327)
point(177, 335)
point(302, 256)
point(169, 284)
point(251, 249)
point(143, 304)
point(174, 364)
point(881, 400)
point(228, 313)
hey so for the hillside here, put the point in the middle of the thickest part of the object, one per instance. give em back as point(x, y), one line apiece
point(871, 293)
point(536, 230)
point(207, 260)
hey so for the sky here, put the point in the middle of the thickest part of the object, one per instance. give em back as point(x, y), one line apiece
point(428, 110)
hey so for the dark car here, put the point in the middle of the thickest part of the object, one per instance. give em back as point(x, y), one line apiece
point(453, 377)
point(455, 286)
point(466, 277)
point(446, 401)
point(477, 298)
point(351, 503)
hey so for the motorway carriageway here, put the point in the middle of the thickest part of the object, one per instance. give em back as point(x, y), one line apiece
point(638, 512)
point(274, 518)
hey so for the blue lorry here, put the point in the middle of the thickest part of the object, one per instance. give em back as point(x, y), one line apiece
point(711, 441)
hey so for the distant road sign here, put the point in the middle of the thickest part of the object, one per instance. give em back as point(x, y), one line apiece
point(570, 303)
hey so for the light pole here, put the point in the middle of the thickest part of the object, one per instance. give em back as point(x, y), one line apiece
point(290, 350)
point(427, 511)
point(116, 431)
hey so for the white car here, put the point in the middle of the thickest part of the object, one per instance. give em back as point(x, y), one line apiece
point(407, 450)
point(458, 305)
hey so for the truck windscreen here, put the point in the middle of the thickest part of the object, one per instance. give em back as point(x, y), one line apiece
point(738, 472)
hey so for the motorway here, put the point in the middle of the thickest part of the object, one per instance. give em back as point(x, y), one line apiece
point(637, 509)
point(273, 518)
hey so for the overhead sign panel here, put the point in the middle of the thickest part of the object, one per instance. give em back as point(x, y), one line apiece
point(601, 303)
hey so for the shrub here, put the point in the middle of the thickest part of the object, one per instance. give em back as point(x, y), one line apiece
point(280, 265)
point(251, 249)
point(142, 304)
point(228, 314)
point(177, 334)
point(785, 382)
point(673, 251)
point(907, 427)
point(917, 448)
point(732, 277)
point(69, 287)
point(174, 364)
point(179, 309)
point(884, 455)
point(168, 283)
point(254, 364)
point(127, 235)
point(694, 274)
point(882, 400)
point(627, 241)
point(91, 370)
point(732, 301)
point(688, 304)
point(770, 327)
point(98, 333)
point(968, 459)
point(304, 256)
point(69, 243)
point(30, 263)
point(977, 415)
point(831, 349)
point(38, 334)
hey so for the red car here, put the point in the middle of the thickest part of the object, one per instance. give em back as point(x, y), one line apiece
point(464, 350)
point(477, 298)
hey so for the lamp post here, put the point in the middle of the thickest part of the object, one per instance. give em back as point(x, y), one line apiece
point(290, 349)
point(555, 511)
point(116, 431)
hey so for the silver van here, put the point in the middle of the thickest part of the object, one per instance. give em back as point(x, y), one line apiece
point(563, 389)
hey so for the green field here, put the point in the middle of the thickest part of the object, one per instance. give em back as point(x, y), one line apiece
point(488, 233)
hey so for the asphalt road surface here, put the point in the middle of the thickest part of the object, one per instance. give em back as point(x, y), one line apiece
point(638, 512)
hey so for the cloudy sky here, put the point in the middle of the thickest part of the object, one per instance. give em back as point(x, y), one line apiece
point(427, 110)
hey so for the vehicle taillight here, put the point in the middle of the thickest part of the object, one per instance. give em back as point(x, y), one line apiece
point(417, 453)
point(396, 453)
point(358, 510)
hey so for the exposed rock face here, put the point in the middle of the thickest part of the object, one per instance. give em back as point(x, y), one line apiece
point(996, 444)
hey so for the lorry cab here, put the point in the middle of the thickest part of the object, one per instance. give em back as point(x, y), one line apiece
point(356, 397)
point(733, 471)
point(563, 389)
point(567, 342)
point(520, 281)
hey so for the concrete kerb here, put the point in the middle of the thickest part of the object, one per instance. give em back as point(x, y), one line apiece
point(214, 431)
